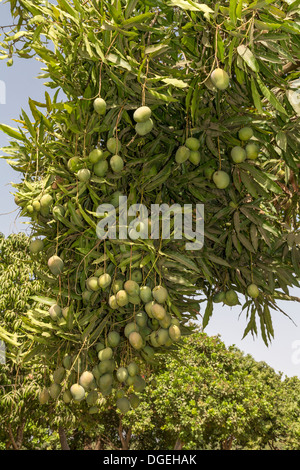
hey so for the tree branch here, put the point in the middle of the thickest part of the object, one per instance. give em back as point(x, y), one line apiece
point(128, 437)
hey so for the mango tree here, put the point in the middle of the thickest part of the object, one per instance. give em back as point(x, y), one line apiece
point(175, 103)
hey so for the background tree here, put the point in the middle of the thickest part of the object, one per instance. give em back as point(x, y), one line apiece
point(219, 127)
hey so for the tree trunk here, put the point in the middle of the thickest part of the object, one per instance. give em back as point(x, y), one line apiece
point(12, 439)
point(63, 439)
point(98, 444)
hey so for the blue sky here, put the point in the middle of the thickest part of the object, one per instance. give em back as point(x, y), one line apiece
point(21, 83)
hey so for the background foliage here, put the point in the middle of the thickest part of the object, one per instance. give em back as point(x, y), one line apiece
point(161, 54)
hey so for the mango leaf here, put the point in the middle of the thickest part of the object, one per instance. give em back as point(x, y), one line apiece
point(138, 19)
point(251, 326)
point(86, 217)
point(118, 61)
point(156, 48)
point(239, 9)
point(262, 178)
point(161, 96)
point(183, 259)
point(97, 332)
point(281, 140)
point(232, 11)
point(64, 5)
point(8, 337)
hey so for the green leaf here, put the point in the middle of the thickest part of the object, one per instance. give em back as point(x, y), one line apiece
point(131, 4)
point(206, 271)
point(191, 6)
point(256, 96)
point(281, 140)
point(218, 260)
point(43, 300)
point(270, 96)
point(138, 19)
point(97, 332)
point(183, 259)
point(251, 326)
point(232, 11)
point(156, 48)
point(252, 215)
point(90, 327)
point(28, 124)
point(88, 47)
point(244, 241)
point(175, 82)
point(86, 217)
point(220, 48)
point(268, 320)
point(12, 132)
point(161, 96)
point(64, 5)
point(239, 9)
point(118, 61)
point(248, 183)
point(262, 178)
point(8, 338)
